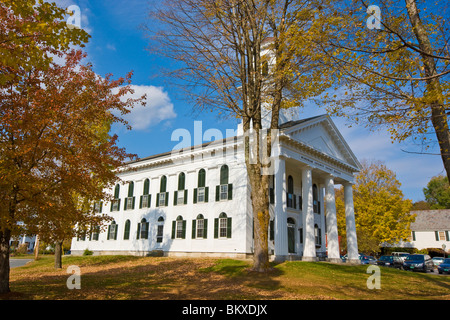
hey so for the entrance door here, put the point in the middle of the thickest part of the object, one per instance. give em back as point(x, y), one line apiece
point(291, 235)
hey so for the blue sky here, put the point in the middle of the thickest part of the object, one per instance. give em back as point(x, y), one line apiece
point(118, 45)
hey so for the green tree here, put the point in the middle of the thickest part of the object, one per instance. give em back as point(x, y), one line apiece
point(382, 215)
point(437, 193)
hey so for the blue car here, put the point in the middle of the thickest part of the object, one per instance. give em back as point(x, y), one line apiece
point(444, 266)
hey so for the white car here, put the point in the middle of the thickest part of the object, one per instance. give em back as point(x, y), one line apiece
point(437, 260)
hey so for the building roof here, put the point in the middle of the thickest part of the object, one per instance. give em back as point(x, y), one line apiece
point(431, 220)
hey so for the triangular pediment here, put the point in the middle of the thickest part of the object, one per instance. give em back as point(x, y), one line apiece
point(321, 134)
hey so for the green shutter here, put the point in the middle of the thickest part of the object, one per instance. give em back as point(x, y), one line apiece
point(271, 230)
point(174, 223)
point(216, 228)
point(140, 203)
point(228, 227)
point(194, 224)
point(230, 191)
point(183, 236)
point(217, 193)
point(195, 195)
point(157, 199)
point(447, 238)
point(436, 235)
point(107, 236)
point(134, 202)
point(175, 198)
point(185, 196)
point(181, 181)
point(167, 199)
point(205, 228)
point(206, 194)
point(138, 236)
point(115, 233)
point(117, 191)
point(201, 178)
point(125, 204)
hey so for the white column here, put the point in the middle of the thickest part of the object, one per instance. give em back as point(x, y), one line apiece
point(309, 247)
point(281, 246)
point(332, 230)
point(352, 242)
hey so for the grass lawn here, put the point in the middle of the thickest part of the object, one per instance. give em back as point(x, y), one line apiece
point(162, 278)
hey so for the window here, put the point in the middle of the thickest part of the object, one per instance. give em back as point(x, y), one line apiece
point(179, 228)
point(160, 231)
point(95, 233)
point(316, 203)
point(222, 226)
point(142, 232)
point(145, 198)
point(126, 233)
point(112, 231)
point(162, 198)
point(129, 201)
point(290, 197)
point(318, 235)
point(115, 204)
point(199, 227)
point(224, 191)
point(180, 196)
point(201, 192)
point(98, 205)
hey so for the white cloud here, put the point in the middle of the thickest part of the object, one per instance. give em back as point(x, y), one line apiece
point(156, 109)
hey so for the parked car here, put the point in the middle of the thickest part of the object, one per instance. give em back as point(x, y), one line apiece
point(444, 266)
point(387, 261)
point(367, 259)
point(437, 260)
point(420, 262)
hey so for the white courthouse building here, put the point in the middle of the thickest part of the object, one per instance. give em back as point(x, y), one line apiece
point(197, 202)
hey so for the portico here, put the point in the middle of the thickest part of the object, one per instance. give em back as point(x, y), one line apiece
point(304, 209)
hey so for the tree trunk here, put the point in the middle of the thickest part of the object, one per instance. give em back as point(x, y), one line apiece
point(58, 254)
point(5, 237)
point(434, 89)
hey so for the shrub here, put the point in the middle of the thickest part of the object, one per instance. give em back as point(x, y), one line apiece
point(87, 252)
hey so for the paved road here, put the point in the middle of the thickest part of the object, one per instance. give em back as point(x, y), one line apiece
point(13, 263)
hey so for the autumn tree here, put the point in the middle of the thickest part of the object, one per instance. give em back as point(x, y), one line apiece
point(392, 72)
point(437, 193)
point(236, 58)
point(382, 214)
point(55, 152)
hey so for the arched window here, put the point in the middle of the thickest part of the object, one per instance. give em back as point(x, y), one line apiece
point(201, 178)
point(142, 232)
point(146, 197)
point(180, 195)
point(199, 227)
point(112, 231)
point(222, 226)
point(179, 228)
point(115, 204)
point(181, 181)
point(224, 174)
point(224, 191)
point(162, 198)
point(201, 192)
point(160, 231)
point(129, 201)
point(126, 233)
